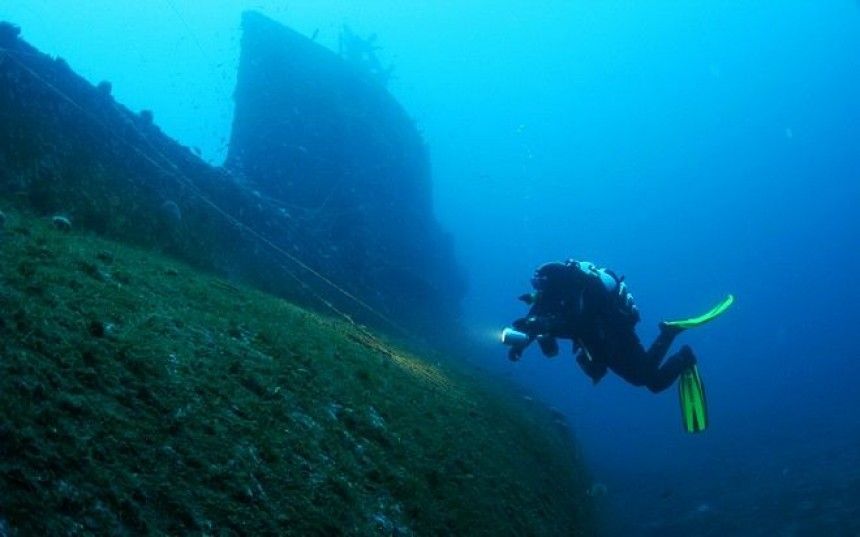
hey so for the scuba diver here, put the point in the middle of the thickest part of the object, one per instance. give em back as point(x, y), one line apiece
point(593, 308)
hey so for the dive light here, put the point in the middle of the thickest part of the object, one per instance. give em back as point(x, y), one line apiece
point(520, 340)
point(514, 338)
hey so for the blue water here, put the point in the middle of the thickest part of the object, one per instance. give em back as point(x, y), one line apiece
point(698, 148)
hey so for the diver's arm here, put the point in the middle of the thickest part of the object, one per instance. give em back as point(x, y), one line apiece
point(538, 325)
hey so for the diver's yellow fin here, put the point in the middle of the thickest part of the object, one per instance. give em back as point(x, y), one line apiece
point(705, 317)
point(694, 406)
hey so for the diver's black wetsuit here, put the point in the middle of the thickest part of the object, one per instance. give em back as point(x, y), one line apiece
point(590, 306)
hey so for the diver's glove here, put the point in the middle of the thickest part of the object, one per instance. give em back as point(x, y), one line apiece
point(548, 346)
point(517, 340)
point(533, 326)
point(515, 353)
point(593, 369)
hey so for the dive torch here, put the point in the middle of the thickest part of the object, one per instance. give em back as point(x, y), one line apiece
point(518, 341)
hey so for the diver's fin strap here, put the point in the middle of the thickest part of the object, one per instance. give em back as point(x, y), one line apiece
point(705, 317)
point(694, 406)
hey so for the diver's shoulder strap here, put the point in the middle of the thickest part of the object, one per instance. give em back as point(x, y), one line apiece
point(607, 278)
point(621, 297)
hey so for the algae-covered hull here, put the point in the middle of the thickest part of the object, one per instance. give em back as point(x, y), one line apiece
point(140, 397)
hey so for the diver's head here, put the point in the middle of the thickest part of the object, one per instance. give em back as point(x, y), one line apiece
point(550, 276)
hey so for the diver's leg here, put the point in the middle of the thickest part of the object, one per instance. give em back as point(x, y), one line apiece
point(671, 369)
point(627, 358)
point(661, 345)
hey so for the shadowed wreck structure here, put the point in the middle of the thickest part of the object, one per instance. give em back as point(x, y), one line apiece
point(324, 141)
point(325, 197)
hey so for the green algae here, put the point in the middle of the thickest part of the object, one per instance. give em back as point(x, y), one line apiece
point(138, 396)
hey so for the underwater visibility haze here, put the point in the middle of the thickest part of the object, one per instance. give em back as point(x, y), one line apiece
point(697, 148)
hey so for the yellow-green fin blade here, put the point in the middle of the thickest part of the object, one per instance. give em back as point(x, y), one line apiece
point(705, 317)
point(694, 406)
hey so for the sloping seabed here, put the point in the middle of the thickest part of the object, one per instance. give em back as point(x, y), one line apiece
point(139, 396)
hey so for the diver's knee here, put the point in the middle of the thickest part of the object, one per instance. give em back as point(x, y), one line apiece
point(687, 356)
point(656, 386)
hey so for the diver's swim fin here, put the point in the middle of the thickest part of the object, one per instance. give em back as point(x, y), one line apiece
point(705, 317)
point(694, 407)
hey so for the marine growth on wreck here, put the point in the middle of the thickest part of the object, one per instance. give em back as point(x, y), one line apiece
point(161, 371)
